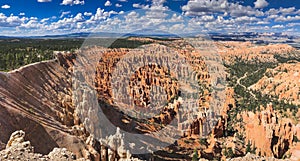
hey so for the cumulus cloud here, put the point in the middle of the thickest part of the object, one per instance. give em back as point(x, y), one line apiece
point(260, 3)
point(5, 6)
point(10, 21)
point(118, 5)
point(204, 7)
point(246, 19)
point(87, 13)
point(277, 26)
point(287, 18)
point(44, 1)
point(22, 14)
point(107, 3)
point(290, 10)
point(204, 16)
point(283, 11)
point(32, 24)
point(45, 20)
point(63, 14)
point(177, 27)
point(293, 24)
point(67, 24)
point(136, 5)
point(72, 2)
point(176, 18)
point(158, 2)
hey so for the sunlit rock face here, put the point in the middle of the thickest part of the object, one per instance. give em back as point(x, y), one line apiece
point(150, 78)
point(47, 103)
point(271, 134)
point(157, 89)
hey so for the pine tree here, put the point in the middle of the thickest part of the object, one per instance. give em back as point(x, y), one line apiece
point(195, 155)
point(248, 147)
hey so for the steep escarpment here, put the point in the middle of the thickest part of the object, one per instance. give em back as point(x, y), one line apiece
point(271, 134)
point(37, 99)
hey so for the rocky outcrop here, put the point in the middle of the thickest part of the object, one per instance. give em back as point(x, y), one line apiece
point(250, 157)
point(37, 99)
point(19, 149)
point(282, 81)
point(132, 76)
point(271, 134)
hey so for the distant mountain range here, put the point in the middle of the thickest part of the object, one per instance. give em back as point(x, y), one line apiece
point(255, 37)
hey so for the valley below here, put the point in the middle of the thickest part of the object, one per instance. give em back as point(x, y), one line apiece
point(152, 99)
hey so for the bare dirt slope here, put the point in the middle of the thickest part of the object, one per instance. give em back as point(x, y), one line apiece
point(36, 99)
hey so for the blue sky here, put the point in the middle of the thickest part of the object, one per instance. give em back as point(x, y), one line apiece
point(41, 17)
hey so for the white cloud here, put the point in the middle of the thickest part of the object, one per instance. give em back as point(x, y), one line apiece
point(260, 3)
point(289, 10)
point(287, 18)
point(87, 13)
point(136, 5)
point(78, 17)
point(293, 24)
point(72, 2)
point(277, 27)
point(207, 16)
point(204, 7)
point(76, 2)
point(10, 21)
point(99, 16)
point(5, 6)
point(107, 3)
point(45, 20)
point(44, 1)
point(177, 27)
point(32, 24)
point(176, 18)
point(263, 22)
point(22, 14)
point(67, 24)
point(274, 13)
point(118, 5)
point(246, 19)
point(270, 17)
point(158, 2)
point(63, 14)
